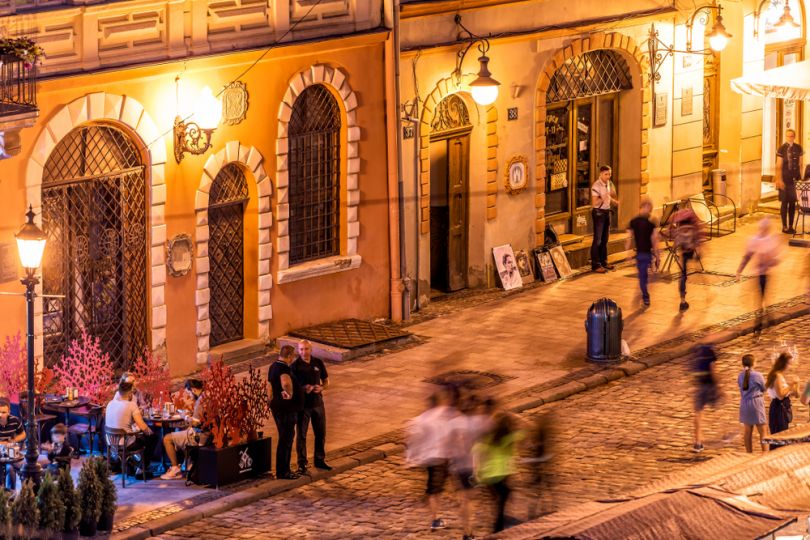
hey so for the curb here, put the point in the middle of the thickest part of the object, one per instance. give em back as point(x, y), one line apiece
point(609, 373)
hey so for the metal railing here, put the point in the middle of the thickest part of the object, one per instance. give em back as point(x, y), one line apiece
point(18, 86)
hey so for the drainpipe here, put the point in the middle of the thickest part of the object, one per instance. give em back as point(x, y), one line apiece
point(417, 136)
point(400, 301)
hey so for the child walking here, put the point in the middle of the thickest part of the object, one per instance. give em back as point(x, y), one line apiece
point(752, 403)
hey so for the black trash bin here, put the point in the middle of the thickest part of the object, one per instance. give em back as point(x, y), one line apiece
point(604, 328)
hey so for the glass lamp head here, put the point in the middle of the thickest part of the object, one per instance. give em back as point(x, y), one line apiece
point(718, 39)
point(30, 243)
point(208, 110)
point(484, 88)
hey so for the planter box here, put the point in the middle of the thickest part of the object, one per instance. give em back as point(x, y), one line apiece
point(218, 467)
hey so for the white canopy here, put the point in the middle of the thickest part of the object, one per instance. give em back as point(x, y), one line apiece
point(787, 82)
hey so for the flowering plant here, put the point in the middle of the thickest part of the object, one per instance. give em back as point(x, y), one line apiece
point(24, 48)
point(86, 367)
point(153, 377)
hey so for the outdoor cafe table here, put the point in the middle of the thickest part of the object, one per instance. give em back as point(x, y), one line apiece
point(5, 460)
point(173, 422)
point(57, 402)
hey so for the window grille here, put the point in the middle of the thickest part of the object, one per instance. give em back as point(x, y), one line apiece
point(226, 249)
point(314, 175)
point(94, 216)
point(589, 74)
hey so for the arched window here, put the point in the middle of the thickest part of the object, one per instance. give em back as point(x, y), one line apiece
point(314, 175)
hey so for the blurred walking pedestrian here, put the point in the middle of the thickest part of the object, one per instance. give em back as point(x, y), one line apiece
point(707, 391)
point(789, 158)
point(643, 231)
point(780, 412)
point(539, 455)
point(494, 460)
point(752, 403)
point(765, 248)
point(686, 232)
point(428, 446)
point(465, 430)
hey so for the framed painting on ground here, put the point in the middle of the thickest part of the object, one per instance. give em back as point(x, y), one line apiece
point(560, 261)
point(507, 267)
point(524, 265)
point(545, 266)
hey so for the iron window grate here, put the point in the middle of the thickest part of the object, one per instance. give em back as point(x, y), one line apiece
point(314, 175)
point(589, 74)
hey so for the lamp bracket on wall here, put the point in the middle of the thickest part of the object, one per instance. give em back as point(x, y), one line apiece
point(465, 35)
point(190, 137)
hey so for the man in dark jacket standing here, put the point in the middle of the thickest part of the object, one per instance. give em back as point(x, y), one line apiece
point(312, 376)
point(788, 172)
point(287, 401)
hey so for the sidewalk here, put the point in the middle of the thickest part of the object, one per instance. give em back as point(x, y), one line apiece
point(533, 341)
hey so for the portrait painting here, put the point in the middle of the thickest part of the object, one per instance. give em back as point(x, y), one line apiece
point(507, 268)
point(524, 265)
point(546, 266)
point(560, 261)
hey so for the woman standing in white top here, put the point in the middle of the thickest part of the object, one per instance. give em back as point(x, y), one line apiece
point(765, 248)
point(780, 413)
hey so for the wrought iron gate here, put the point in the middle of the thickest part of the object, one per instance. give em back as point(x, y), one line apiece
point(226, 248)
point(94, 215)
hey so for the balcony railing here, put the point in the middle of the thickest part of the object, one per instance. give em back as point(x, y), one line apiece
point(18, 86)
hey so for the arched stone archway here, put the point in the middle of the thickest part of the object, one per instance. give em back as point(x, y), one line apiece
point(610, 40)
point(252, 160)
point(444, 88)
point(127, 112)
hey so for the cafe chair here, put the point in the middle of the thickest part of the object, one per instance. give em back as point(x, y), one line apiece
point(116, 440)
point(41, 418)
point(94, 414)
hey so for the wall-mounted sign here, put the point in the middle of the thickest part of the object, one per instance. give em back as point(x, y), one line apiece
point(686, 101)
point(8, 263)
point(660, 113)
point(234, 103)
point(517, 174)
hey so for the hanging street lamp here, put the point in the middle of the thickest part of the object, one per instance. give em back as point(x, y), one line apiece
point(484, 88)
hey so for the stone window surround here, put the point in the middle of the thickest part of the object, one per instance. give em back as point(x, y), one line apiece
point(252, 160)
point(336, 79)
point(128, 112)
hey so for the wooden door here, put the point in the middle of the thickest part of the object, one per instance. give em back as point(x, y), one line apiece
point(458, 152)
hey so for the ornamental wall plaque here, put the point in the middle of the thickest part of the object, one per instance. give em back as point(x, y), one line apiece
point(234, 103)
point(517, 174)
point(178, 256)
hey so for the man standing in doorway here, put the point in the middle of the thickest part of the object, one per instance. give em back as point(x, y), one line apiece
point(603, 196)
point(312, 376)
point(287, 401)
point(788, 171)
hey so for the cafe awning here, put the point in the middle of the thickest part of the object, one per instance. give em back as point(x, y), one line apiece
point(787, 82)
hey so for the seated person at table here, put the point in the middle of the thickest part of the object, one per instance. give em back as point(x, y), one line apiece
point(179, 440)
point(60, 450)
point(123, 413)
point(11, 432)
point(137, 397)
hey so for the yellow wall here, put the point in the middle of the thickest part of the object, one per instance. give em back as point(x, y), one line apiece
point(362, 292)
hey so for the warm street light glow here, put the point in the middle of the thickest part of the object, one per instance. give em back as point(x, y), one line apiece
point(208, 110)
point(786, 23)
point(30, 243)
point(484, 88)
point(718, 39)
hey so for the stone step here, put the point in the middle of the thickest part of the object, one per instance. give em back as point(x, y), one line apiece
point(238, 351)
point(338, 354)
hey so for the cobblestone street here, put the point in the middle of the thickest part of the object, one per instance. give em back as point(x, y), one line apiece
point(608, 440)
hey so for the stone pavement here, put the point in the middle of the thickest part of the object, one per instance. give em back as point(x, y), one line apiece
point(608, 441)
point(527, 339)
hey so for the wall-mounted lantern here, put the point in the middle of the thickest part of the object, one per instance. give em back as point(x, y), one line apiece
point(785, 23)
point(193, 133)
point(484, 88)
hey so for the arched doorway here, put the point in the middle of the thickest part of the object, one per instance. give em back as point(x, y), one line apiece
point(94, 215)
point(449, 194)
point(581, 130)
point(226, 251)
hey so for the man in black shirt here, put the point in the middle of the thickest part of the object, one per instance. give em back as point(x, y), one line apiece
point(11, 433)
point(788, 171)
point(312, 376)
point(644, 232)
point(286, 402)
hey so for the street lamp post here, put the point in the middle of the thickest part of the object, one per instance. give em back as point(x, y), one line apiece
point(31, 244)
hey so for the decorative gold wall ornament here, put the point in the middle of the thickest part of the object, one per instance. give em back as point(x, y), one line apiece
point(517, 174)
point(179, 255)
point(234, 103)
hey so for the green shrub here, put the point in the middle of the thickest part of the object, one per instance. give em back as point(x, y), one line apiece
point(50, 504)
point(5, 514)
point(68, 495)
point(24, 511)
point(109, 495)
point(90, 491)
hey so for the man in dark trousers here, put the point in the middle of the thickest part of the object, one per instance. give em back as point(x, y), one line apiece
point(287, 401)
point(643, 231)
point(603, 197)
point(311, 375)
point(788, 172)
